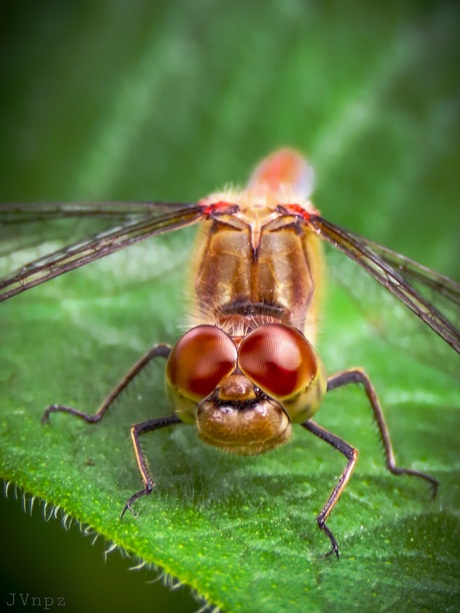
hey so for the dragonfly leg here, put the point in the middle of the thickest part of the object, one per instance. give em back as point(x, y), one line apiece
point(162, 351)
point(136, 432)
point(352, 456)
point(356, 375)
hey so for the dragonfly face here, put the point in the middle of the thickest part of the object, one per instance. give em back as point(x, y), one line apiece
point(247, 371)
point(244, 392)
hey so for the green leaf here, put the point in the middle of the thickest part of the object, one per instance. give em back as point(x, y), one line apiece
point(142, 102)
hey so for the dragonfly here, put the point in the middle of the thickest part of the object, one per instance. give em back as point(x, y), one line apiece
point(246, 371)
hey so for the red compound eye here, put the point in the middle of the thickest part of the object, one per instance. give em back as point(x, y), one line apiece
point(278, 358)
point(199, 361)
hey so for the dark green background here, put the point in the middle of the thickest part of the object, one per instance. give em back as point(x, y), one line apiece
point(169, 100)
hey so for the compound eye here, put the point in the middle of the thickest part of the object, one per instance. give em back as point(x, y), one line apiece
point(199, 361)
point(279, 360)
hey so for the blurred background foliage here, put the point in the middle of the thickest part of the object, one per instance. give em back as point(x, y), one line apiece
point(165, 100)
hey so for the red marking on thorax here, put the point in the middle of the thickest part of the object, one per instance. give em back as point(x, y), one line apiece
point(221, 208)
point(297, 209)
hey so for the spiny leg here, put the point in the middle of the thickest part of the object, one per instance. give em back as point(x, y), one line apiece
point(356, 375)
point(136, 432)
point(162, 351)
point(352, 456)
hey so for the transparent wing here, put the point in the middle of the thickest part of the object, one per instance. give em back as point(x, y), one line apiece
point(27, 225)
point(136, 222)
point(442, 287)
point(115, 211)
point(433, 298)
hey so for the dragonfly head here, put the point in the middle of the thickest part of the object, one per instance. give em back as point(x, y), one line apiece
point(244, 394)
